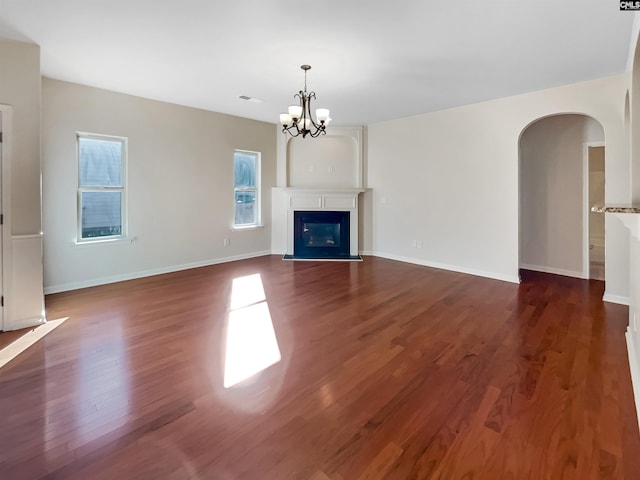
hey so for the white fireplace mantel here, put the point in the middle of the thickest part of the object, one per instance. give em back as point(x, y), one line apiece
point(324, 199)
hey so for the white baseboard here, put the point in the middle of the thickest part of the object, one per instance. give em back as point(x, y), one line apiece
point(607, 297)
point(620, 300)
point(64, 287)
point(634, 366)
point(21, 323)
point(554, 271)
point(453, 268)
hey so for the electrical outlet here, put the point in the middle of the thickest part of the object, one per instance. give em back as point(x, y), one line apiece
point(419, 244)
point(330, 168)
point(226, 242)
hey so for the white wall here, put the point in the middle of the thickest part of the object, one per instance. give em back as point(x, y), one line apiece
point(551, 192)
point(450, 180)
point(180, 185)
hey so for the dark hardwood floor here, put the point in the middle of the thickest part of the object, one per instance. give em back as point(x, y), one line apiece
point(387, 370)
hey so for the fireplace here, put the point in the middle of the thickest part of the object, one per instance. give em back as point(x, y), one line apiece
point(321, 234)
point(322, 224)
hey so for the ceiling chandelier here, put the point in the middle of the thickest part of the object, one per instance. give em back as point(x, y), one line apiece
point(299, 120)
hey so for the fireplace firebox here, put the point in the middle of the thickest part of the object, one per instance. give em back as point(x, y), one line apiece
point(321, 234)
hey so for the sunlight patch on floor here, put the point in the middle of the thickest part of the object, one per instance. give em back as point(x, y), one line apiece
point(246, 291)
point(251, 343)
point(23, 342)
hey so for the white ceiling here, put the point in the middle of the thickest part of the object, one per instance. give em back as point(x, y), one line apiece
point(372, 60)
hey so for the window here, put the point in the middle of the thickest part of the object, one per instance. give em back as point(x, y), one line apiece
point(101, 187)
point(246, 172)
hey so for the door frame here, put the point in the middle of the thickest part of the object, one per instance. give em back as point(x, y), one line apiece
point(586, 207)
point(6, 116)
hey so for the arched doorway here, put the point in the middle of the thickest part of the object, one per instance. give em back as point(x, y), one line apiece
point(561, 176)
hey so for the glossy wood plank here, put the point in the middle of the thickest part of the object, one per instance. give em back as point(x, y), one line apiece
point(388, 371)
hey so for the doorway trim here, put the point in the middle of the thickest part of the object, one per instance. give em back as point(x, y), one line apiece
point(6, 114)
point(586, 208)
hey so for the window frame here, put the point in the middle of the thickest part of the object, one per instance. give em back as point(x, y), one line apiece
point(122, 189)
point(257, 189)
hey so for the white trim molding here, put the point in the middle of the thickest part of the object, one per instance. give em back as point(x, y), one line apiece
point(634, 367)
point(620, 300)
point(554, 271)
point(451, 268)
point(25, 306)
point(64, 287)
point(6, 258)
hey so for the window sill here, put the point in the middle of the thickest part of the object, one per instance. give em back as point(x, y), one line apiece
point(240, 228)
point(106, 241)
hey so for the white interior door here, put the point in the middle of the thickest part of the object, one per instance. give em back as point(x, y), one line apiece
point(1, 230)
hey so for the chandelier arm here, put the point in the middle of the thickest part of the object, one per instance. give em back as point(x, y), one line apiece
point(318, 126)
point(291, 131)
point(320, 131)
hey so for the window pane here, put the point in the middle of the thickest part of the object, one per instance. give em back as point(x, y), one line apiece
point(244, 169)
point(100, 162)
point(245, 208)
point(101, 214)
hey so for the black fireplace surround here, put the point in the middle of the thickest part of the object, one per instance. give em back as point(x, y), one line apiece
point(321, 234)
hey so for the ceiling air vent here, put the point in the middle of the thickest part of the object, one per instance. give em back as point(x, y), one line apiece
point(250, 99)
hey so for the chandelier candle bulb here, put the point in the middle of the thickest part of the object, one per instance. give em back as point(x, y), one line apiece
point(322, 114)
point(285, 119)
point(295, 111)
